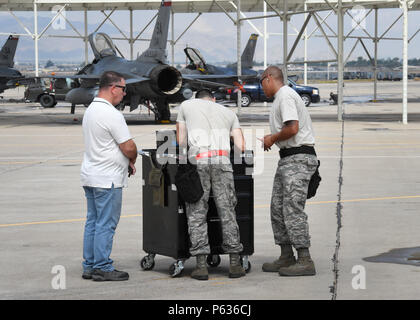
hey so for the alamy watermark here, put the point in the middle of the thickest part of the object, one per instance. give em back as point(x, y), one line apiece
point(359, 280)
point(358, 20)
point(169, 151)
point(58, 282)
point(59, 14)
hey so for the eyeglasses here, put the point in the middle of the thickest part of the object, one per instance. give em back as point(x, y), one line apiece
point(118, 86)
point(263, 78)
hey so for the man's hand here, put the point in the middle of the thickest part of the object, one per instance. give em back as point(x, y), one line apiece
point(267, 142)
point(133, 169)
point(289, 129)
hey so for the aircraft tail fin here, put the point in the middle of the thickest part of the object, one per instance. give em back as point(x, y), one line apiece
point(249, 51)
point(157, 48)
point(7, 53)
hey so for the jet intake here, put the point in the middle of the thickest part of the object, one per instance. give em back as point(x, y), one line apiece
point(165, 79)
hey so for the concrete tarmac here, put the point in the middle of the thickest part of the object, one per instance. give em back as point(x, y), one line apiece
point(43, 207)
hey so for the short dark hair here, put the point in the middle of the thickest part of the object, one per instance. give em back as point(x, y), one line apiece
point(108, 78)
point(204, 93)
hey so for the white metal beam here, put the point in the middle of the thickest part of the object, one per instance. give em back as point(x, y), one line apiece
point(238, 53)
point(340, 61)
point(131, 35)
point(285, 33)
point(52, 20)
point(86, 37)
point(323, 20)
point(325, 36)
point(265, 36)
point(189, 26)
point(21, 24)
point(102, 23)
point(375, 68)
point(386, 31)
point(249, 22)
point(36, 39)
point(358, 24)
point(144, 29)
point(299, 36)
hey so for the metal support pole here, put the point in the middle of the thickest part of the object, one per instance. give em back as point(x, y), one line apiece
point(340, 61)
point(305, 50)
point(131, 35)
point(238, 51)
point(265, 41)
point(404, 4)
point(375, 67)
point(86, 37)
point(173, 38)
point(265, 36)
point(36, 39)
point(285, 9)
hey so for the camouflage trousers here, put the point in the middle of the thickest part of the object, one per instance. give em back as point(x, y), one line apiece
point(219, 179)
point(290, 188)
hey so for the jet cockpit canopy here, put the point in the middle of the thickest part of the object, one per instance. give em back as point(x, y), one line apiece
point(195, 57)
point(102, 45)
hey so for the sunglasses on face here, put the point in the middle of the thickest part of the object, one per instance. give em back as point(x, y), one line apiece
point(124, 88)
point(263, 78)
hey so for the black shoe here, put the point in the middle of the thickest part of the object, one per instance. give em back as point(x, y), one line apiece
point(87, 274)
point(115, 275)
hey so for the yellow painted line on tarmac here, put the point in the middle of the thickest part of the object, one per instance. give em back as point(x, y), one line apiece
point(56, 221)
point(350, 200)
point(256, 207)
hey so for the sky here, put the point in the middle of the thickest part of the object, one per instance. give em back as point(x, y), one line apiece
point(214, 34)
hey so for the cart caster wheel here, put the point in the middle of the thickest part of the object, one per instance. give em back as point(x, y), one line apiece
point(246, 264)
point(176, 268)
point(213, 260)
point(147, 263)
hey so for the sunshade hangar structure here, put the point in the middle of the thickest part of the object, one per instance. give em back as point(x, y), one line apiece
point(236, 11)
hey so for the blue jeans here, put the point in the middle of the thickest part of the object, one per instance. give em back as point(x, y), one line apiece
point(103, 214)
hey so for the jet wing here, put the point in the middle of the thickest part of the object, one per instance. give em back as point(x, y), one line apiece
point(132, 80)
point(205, 80)
point(72, 76)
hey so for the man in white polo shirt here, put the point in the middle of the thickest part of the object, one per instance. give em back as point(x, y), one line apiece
point(109, 152)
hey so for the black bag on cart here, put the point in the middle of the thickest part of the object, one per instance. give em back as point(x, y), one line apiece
point(188, 183)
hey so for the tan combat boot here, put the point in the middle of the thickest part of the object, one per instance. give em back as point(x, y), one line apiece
point(235, 268)
point(303, 267)
point(201, 272)
point(281, 262)
point(287, 258)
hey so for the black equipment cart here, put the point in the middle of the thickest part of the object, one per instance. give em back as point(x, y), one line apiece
point(165, 229)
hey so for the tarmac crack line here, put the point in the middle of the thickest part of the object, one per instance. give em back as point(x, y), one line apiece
point(339, 207)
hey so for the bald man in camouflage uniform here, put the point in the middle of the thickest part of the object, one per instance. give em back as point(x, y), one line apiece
point(291, 131)
point(208, 126)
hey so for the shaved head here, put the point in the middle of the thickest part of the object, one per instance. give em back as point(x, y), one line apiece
point(275, 72)
point(272, 80)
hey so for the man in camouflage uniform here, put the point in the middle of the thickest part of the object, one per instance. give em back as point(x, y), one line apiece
point(208, 127)
point(291, 131)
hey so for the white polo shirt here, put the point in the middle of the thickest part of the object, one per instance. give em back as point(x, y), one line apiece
point(104, 164)
point(288, 105)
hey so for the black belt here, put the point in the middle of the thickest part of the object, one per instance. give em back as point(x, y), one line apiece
point(285, 152)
